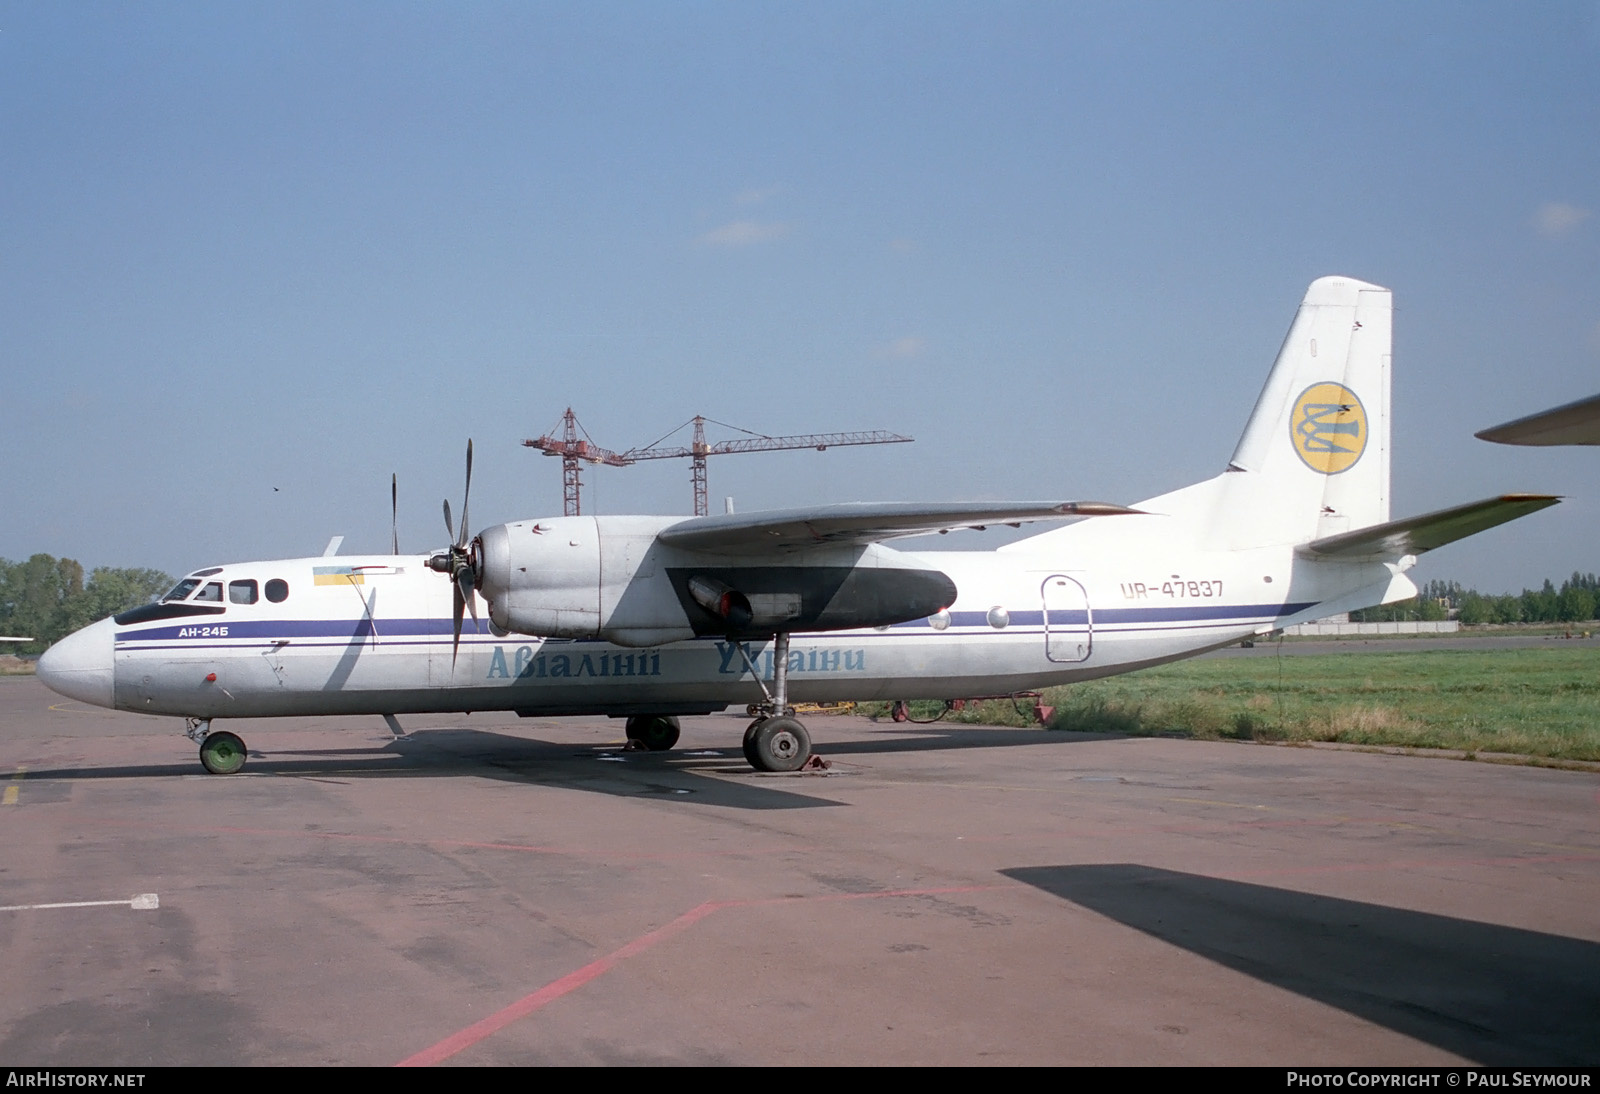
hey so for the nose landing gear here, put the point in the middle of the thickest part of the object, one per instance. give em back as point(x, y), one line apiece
point(221, 752)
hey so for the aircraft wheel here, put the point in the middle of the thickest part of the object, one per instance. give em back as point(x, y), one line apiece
point(778, 744)
point(222, 753)
point(657, 732)
point(749, 744)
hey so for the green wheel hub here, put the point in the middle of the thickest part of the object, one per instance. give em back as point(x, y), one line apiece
point(222, 753)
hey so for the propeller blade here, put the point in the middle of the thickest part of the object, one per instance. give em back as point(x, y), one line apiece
point(455, 646)
point(466, 496)
point(457, 563)
point(394, 509)
point(464, 591)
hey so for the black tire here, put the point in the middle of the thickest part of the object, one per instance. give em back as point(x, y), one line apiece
point(778, 744)
point(222, 753)
point(657, 732)
point(750, 745)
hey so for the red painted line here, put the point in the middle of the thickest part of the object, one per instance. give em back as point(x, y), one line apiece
point(552, 991)
point(947, 890)
point(528, 1004)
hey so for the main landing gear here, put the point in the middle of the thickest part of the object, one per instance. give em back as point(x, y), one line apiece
point(776, 740)
point(221, 752)
point(778, 743)
point(655, 732)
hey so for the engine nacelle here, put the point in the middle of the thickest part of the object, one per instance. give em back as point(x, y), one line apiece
point(581, 577)
point(610, 578)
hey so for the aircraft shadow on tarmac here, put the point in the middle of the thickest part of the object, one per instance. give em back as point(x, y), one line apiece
point(680, 776)
point(683, 775)
point(1495, 995)
point(892, 737)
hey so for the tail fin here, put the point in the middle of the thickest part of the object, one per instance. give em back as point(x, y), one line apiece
point(1314, 458)
point(1316, 449)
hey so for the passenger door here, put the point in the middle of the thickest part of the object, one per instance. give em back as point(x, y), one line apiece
point(1068, 620)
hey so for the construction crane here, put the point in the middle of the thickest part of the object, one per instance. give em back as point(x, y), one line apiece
point(698, 450)
point(571, 448)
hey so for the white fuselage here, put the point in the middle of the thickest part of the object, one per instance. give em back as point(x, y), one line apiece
point(377, 638)
point(628, 615)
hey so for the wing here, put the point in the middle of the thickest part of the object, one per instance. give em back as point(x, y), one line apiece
point(1415, 535)
point(863, 522)
point(1572, 423)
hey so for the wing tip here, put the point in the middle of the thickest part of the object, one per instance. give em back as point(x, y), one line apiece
point(1096, 509)
point(1574, 423)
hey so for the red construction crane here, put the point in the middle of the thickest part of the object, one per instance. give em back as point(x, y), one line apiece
point(571, 449)
point(698, 450)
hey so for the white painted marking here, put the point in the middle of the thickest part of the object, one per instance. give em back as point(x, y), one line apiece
point(144, 902)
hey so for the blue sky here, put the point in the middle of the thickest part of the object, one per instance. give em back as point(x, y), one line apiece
point(255, 258)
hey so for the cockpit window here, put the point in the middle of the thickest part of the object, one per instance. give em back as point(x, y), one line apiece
point(242, 592)
point(211, 594)
point(182, 589)
point(277, 590)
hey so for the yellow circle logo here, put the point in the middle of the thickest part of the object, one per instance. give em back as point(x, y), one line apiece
point(1328, 428)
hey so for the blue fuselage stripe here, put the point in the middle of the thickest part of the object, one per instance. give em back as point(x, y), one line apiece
point(433, 631)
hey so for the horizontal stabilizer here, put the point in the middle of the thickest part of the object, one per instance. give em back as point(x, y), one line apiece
point(1415, 535)
point(863, 522)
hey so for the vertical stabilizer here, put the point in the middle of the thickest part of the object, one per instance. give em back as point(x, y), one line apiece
point(1313, 461)
point(1314, 457)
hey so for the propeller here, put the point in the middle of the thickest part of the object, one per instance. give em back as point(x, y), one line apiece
point(394, 509)
point(457, 561)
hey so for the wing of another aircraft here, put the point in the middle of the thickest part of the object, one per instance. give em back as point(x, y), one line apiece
point(1571, 423)
point(863, 522)
point(1415, 535)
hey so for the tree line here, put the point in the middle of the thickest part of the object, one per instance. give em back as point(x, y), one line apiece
point(1574, 602)
point(45, 598)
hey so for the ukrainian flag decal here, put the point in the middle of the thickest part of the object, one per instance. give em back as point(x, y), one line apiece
point(1328, 428)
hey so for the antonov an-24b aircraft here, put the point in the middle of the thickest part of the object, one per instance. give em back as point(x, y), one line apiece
point(649, 618)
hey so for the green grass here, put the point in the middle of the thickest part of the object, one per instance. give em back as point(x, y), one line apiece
point(1536, 702)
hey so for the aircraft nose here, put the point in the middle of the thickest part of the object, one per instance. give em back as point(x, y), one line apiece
point(81, 666)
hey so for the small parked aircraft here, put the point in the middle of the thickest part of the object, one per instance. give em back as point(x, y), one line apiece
point(653, 617)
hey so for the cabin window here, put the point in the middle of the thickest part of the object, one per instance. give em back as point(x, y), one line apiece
point(211, 594)
point(182, 589)
point(277, 590)
point(242, 592)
